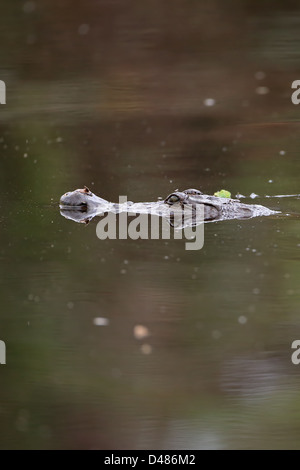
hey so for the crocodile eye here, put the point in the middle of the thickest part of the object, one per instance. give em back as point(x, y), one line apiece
point(172, 199)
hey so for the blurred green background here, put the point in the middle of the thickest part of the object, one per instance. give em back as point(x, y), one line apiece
point(123, 344)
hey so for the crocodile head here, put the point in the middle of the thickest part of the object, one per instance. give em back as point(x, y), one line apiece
point(192, 197)
point(80, 199)
point(77, 198)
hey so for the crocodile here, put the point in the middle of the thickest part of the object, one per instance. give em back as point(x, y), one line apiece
point(82, 205)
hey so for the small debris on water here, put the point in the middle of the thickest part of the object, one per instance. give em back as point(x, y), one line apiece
point(262, 90)
point(100, 321)
point(209, 102)
point(146, 349)
point(242, 320)
point(260, 75)
point(140, 332)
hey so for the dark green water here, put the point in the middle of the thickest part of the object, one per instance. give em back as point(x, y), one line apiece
point(141, 344)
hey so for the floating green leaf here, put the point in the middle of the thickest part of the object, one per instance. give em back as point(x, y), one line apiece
point(223, 193)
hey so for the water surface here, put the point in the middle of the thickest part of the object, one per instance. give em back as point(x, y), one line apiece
point(142, 344)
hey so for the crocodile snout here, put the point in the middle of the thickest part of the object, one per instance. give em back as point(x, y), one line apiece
point(74, 198)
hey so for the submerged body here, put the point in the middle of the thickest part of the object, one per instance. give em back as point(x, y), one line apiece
point(82, 205)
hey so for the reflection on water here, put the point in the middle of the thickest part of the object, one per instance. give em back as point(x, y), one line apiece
point(141, 343)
